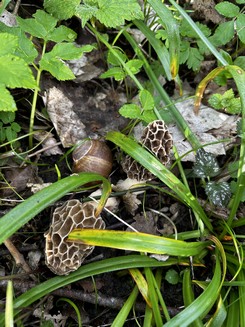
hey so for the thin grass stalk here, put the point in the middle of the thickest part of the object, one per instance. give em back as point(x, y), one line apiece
point(178, 118)
point(192, 24)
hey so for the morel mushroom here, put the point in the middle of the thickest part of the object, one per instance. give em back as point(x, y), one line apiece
point(60, 256)
point(158, 140)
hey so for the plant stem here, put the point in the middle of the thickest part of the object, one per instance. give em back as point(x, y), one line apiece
point(34, 101)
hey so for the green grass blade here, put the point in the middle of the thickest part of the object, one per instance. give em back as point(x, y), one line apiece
point(147, 160)
point(199, 33)
point(153, 297)
point(201, 305)
point(178, 118)
point(158, 46)
point(133, 241)
point(233, 310)
point(241, 292)
point(188, 295)
point(9, 316)
point(91, 269)
point(172, 29)
point(121, 317)
point(28, 209)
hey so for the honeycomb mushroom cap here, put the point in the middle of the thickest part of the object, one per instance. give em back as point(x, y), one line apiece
point(60, 256)
point(158, 140)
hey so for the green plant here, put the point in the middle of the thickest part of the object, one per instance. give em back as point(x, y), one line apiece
point(226, 102)
point(18, 52)
point(8, 127)
point(211, 245)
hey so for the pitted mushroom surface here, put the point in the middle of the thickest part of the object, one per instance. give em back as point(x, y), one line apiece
point(60, 256)
point(158, 140)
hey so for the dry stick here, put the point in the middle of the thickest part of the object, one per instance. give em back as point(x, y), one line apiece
point(18, 258)
point(96, 299)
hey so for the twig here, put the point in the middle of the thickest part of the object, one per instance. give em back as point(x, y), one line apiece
point(18, 258)
point(96, 299)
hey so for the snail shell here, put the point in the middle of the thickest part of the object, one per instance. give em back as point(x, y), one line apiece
point(92, 156)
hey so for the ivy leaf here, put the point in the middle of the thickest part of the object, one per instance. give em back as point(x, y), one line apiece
point(56, 67)
point(64, 9)
point(227, 9)
point(7, 102)
point(146, 100)
point(218, 193)
point(131, 111)
point(206, 164)
point(111, 13)
point(14, 72)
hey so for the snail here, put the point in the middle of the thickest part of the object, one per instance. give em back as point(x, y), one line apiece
point(92, 156)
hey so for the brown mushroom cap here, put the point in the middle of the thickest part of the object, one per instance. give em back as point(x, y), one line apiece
point(158, 140)
point(60, 256)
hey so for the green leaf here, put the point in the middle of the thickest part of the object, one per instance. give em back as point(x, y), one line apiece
point(227, 9)
point(131, 111)
point(56, 67)
point(9, 43)
point(14, 72)
point(194, 59)
point(62, 33)
point(10, 133)
point(7, 102)
point(7, 116)
point(68, 51)
point(206, 164)
point(172, 277)
point(240, 61)
point(185, 30)
point(25, 48)
point(146, 100)
point(240, 23)
point(233, 187)
point(134, 65)
point(223, 34)
point(64, 9)
point(113, 60)
point(85, 12)
point(240, 2)
point(215, 101)
point(148, 116)
point(218, 193)
point(110, 13)
point(116, 72)
point(16, 127)
point(133, 241)
point(41, 26)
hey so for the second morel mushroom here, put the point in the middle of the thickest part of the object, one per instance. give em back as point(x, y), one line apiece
point(60, 256)
point(158, 140)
